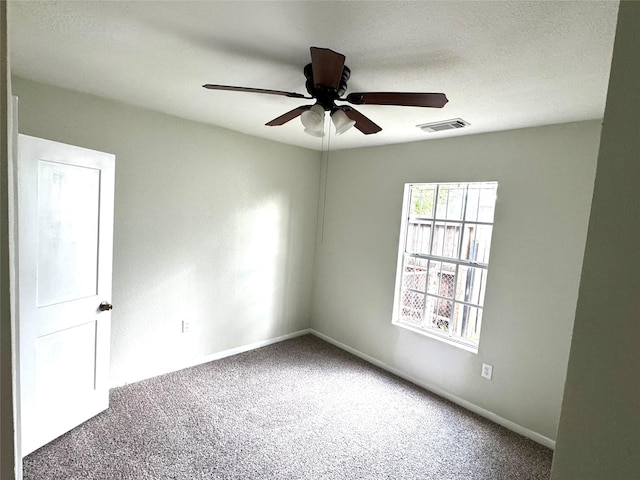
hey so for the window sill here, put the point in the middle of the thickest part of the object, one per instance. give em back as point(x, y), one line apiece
point(442, 338)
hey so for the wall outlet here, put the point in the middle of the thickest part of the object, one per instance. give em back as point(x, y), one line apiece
point(186, 326)
point(487, 371)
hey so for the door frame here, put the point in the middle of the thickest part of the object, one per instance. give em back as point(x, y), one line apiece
point(12, 138)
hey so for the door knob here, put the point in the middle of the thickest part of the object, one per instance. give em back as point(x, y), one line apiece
point(105, 306)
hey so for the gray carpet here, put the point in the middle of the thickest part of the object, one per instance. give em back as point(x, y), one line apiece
point(300, 409)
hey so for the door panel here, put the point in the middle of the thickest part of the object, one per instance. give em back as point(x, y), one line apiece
point(65, 229)
point(65, 362)
point(68, 199)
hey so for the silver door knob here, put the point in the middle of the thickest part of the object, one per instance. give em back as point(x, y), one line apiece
point(105, 306)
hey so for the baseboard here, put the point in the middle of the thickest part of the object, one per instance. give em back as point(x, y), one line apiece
point(251, 346)
point(536, 437)
point(221, 354)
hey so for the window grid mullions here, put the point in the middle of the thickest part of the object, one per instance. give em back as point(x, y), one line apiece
point(432, 223)
point(453, 299)
point(461, 302)
point(424, 296)
point(467, 263)
point(432, 229)
point(440, 289)
point(427, 220)
point(464, 217)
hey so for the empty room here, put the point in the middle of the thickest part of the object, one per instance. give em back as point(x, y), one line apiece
point(320, 240)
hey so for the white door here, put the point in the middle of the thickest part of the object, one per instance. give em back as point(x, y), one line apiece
point(65, 238)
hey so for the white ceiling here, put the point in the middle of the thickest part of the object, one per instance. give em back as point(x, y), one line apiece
point(503, 65)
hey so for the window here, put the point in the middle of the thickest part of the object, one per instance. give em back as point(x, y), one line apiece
point(443, 260)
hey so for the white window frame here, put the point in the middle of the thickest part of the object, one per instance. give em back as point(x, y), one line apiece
point(397, 319)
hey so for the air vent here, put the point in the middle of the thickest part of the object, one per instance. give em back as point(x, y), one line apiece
point(444, 125)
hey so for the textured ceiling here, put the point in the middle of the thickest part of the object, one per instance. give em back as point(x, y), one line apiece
point(503, 65)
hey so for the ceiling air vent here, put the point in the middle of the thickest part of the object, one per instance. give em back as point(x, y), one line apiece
point(444, 125)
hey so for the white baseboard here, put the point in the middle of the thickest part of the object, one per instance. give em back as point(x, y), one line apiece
point(536, 437)
point(219, 355)
point(251, 346)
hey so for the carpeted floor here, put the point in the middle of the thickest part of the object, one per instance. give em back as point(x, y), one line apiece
point(300, 409)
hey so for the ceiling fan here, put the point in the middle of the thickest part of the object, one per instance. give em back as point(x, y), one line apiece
point(327, 77)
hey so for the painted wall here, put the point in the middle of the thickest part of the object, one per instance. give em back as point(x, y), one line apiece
point(545, 180)
point(599, 434)
point(220, 228)
point(211, 226)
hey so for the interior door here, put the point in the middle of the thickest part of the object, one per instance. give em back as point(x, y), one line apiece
point(65, 238)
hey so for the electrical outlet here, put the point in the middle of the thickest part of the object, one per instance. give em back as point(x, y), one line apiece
point(186, 326)
point(487, 371)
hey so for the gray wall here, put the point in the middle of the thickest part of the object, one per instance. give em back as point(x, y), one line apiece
point(527, 343)
point(210, 225)
point(220, 228)
point(545, 180)
point(599, 434)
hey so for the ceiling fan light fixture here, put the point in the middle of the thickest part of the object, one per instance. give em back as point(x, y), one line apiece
point(341, 121)
point(313, 119)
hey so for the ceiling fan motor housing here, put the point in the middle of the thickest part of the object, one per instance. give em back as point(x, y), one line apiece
point(326, 96)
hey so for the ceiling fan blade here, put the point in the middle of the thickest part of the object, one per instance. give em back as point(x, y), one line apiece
point(282, 119)
point(364, 124)
point(254, 90)
point(327, 67)
point(434, 100)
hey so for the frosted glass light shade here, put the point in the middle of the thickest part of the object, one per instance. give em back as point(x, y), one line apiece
point(341, 122)
point(318, 132)
point(313, 120)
